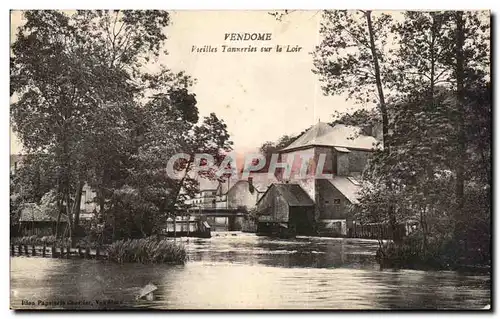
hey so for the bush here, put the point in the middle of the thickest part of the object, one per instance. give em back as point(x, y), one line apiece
point(440, 254)
point(147, 250)
point(39, 240)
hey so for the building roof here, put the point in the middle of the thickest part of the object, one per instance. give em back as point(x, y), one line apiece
point(294, 195)
point(31, 212)
point(348, 186)
point(322, 134)
point(260, 181)
point(341, 149)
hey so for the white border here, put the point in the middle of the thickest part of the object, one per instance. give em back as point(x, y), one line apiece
point(191, 5)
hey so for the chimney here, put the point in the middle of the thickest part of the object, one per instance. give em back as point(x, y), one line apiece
point(367, 129)
point(250, 184)
point(374, 130)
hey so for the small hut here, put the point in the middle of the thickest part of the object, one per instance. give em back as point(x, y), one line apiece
point(285, 210)
point(35, 220)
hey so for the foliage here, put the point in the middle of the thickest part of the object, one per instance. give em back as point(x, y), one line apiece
point(83, 97)
point(269, 148)
point(436, 78)
point(344, 59)
point(147, 250)
point(362, 117)
point(39, 241)
point(34, 177)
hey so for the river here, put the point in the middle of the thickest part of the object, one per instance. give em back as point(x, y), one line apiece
point(242, 271)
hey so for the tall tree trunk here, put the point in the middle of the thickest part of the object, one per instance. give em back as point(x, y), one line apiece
point(179, 186)
point(101, 202)
point(176, 195)
point(461, 137)
point(433, 59)
point(385, 116)
point(101, 194)
point(423, 225)
point(60, 209)
point(76, 206)
point(378, 81)
point(70, 215)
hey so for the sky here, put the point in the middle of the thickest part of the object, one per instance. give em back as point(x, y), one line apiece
point(260, 96)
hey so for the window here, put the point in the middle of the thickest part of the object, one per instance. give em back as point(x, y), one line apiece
point(336, 201)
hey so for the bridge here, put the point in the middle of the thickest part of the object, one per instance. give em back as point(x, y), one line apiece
point(217, 212)
point(221, 218)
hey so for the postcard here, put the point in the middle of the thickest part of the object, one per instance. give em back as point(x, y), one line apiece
point(238, 160)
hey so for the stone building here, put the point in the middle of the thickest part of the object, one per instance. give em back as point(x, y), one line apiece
point(326, 162)
point(246, 193)
point(284, 210)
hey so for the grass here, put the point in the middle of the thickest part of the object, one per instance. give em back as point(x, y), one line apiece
point(38, 240)
point(148, 250)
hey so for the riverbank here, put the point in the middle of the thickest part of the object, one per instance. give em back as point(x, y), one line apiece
point(146, 250)
point(440, 257)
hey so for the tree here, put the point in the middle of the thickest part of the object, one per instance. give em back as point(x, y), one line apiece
point(420, 60)
point(50, 74)
point(444, 105)
point(352, 58)
point(360, 118)
point(29, 183)
point(76, 79)
point(269, 148)
point(209, 137)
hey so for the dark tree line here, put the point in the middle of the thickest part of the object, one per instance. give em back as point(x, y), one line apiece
point(428, 75)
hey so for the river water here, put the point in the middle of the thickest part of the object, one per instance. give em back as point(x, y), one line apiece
point(242, 271)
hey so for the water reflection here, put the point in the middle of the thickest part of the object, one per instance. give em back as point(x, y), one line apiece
point(302, 252)
point(245, 271)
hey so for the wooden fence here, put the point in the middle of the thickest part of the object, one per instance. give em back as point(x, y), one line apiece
point(377, 231)
point(54, 251)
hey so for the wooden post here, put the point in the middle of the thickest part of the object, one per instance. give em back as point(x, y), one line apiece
point(26, 250)
point(87, 252)
point(43, 249)
point(20, 249)
point(53, 251)
point(68, 251)
point(97, 252)
point(33, 250)
point(80, 251)
point(61, 255)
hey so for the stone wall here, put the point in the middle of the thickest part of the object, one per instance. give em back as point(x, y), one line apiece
point(331, 203)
